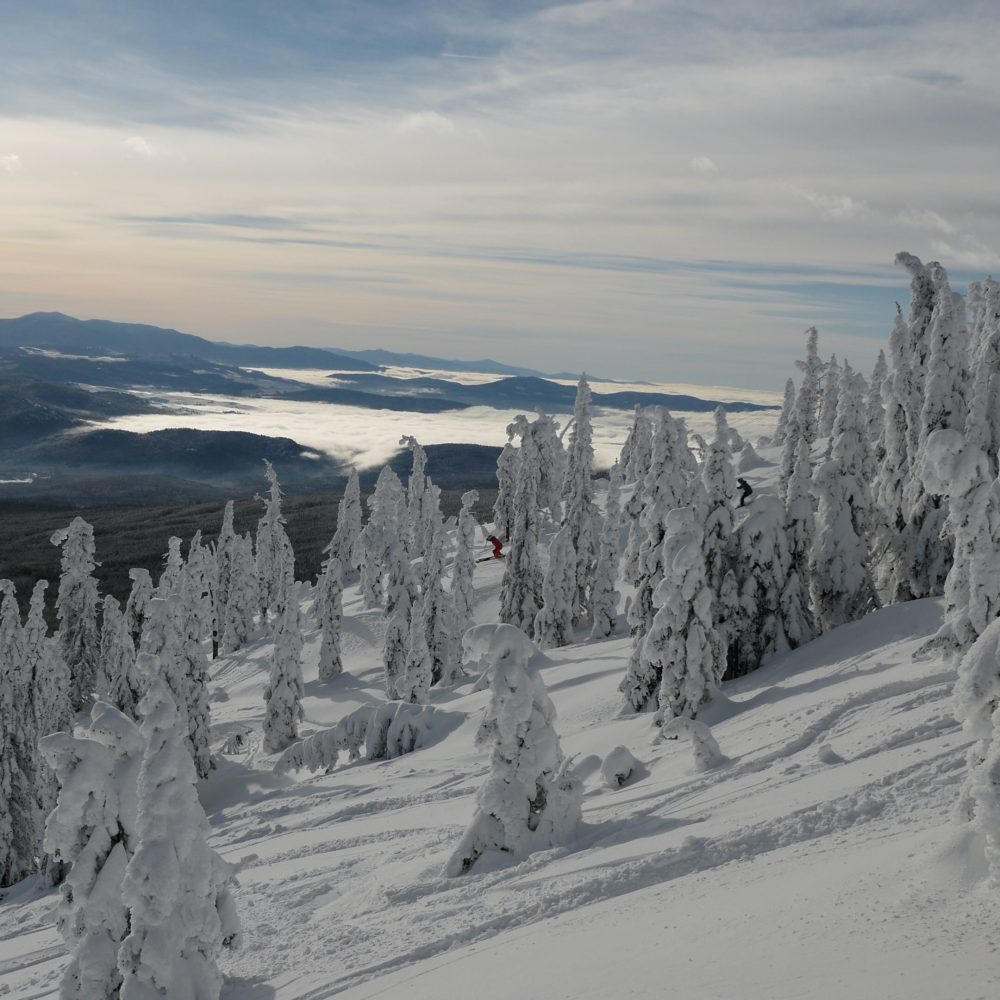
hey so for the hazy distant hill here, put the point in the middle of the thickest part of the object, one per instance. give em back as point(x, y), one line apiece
point(529, 392)
point(31, 409)
point(58, 332)
point(404, 360)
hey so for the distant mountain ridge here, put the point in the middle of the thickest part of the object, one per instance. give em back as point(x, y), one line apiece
point(94, 337)
point(56, 331)
point(527, 392)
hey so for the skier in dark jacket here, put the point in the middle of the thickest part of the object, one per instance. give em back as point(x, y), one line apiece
point(745, 490)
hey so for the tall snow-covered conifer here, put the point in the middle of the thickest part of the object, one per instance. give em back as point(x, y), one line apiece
point(118, 683)
point(580, 514)
point(76, 608)
point(765, 569)
point(554, 622)
point(463, 591)
point(283, 694)
point(243, 602)
point(345, 535)
point(521, 590)
point(682, 650)
point(605, 598)
point(137, 606)
point(787, 409)
point(841, 584)
point(330, 614)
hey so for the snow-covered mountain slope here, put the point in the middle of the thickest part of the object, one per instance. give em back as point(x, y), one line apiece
point(820, 860)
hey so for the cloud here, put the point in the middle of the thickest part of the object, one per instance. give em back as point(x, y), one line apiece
point(967, 251)
point(369, 438)
point(426, 121)
point(836, 206)
point(11, 163)
point(704, 165)
point(924, 218)
point(140, 148)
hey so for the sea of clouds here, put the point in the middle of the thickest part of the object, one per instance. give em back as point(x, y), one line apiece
point(368, 438)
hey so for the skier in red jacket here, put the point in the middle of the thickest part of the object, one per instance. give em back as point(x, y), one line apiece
point(497, 546)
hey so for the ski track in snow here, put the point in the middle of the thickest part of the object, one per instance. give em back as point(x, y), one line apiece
point(833, 750)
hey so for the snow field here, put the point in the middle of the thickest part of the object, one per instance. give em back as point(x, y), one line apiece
point(818, 860)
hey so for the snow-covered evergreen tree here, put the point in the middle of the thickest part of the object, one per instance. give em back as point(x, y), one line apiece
point(420, 503)
point(840, 582)
point(330, 614)
point(719, 482)
point(765, 568)
point(604, 596)
point(92, 830)
point(137, 606)
point(397, 636)
point(831, 397)
point(76, 609)
point(580, 514)
point(891, 557)
point(51, 709)
point(977, 701)
point(173, 563)
point(521, 590)
point(804, 421)
point(243, 602)
point(682, 650)
point(503, 507)
point(552, 464)
point(463, 590)
point(808, 398)
point(200, 577)
point(194, 663)
point(875, 420)
point(401, 599)
point(635, 470)
point(275, 560)
point(527, 802)
point(177, 890)
point(664, 489)
point(118, 684)
point(380, 536)
point(554, 622)
point(283, 694)
point(964, 468)
point(787, 409)
point(18, 807)
point(414, 681)
point(225, 555)
point(943, 408)
point(637, 451)
point(800, 523)
point(345, 536)
point(436, 605)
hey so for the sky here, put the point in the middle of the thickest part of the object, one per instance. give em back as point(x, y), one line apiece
point(670, 191)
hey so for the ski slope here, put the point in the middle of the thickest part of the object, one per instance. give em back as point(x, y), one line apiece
point(819, 860)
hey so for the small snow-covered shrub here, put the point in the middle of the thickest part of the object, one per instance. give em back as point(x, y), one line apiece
point(618, 767)
point(382, 732)
point(703, 744)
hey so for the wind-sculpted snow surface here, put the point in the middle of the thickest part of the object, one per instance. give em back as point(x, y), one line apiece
point(830, 828)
